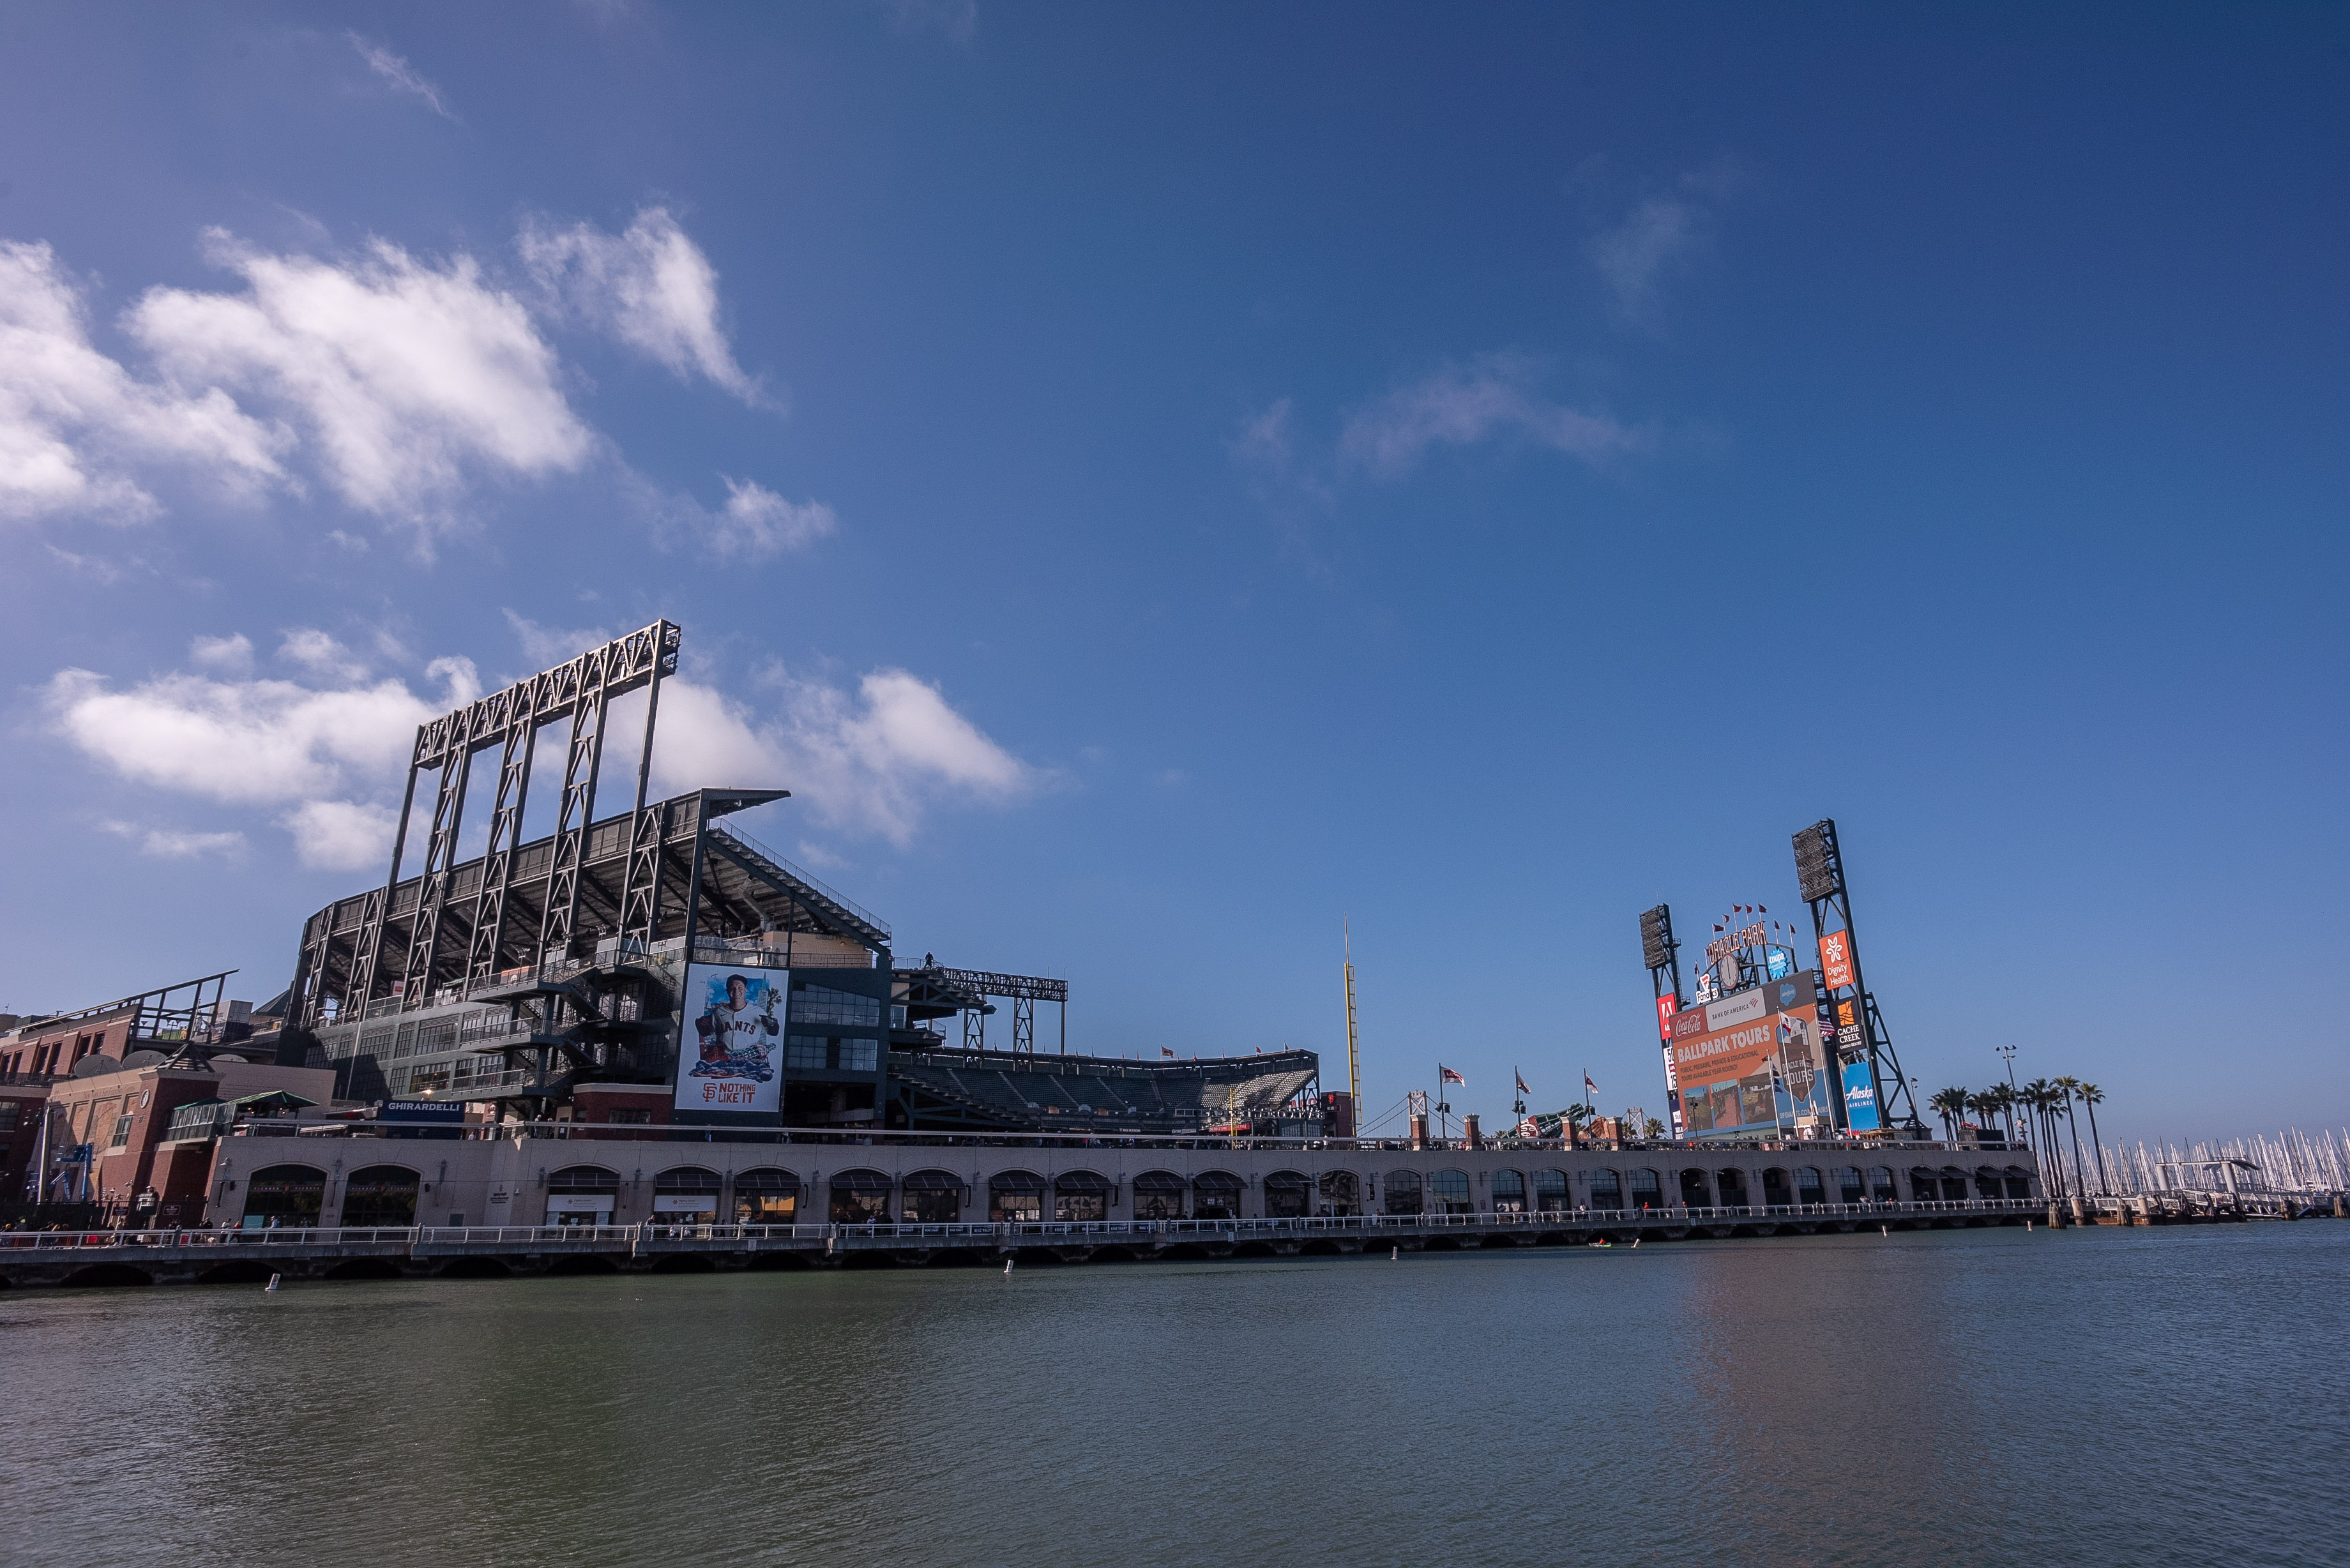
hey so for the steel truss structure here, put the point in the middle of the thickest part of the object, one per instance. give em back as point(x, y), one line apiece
point(1819, 871)
point(969, 990)
point(654, 873)
point(1662, 953)
point(579, 692)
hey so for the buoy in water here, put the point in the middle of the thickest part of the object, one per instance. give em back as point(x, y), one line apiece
point(1884, 1230)
point(273, 1282)
point(1007, 1265)
point(1394, 1254)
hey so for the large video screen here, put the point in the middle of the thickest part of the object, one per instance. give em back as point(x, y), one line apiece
point(1752, 1063)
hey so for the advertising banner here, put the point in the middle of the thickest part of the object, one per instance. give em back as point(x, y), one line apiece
point(1836, 959)
point(734, 1041)
point(1860, 1097)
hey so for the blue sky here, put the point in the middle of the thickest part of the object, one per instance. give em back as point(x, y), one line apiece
point(1159, 482)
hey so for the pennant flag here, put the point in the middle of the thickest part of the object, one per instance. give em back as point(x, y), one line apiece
point(1445, 1075)
point(1589, 1089)
point(1521, 1077)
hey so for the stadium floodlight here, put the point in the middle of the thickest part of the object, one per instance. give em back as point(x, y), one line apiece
point(1819, 871)
point(1657, 942)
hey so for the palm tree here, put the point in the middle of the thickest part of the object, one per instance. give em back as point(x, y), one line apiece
point(2039, 1097)
point(2067, 1088)
point(1950, 1102)
point(1984, 1106)
point(2093, 1097)
point(2006, 1094)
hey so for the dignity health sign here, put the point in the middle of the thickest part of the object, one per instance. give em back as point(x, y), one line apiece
point(734, 1040)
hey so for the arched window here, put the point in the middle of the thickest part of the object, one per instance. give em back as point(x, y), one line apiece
point(1551, 1192)
point(1775, 1190)
point(766, 1196)
point(1080, 1196)
point(1987, 1184)
point(1287, 1195)
point(860, 1198)
point(2019, 1182)
point(1954, 1185)
point(1697, 1191)
point(1730, 1183)
point(1925, 1185)
point(1403, 1192)
point(1215, 1195)
point(1509, 1192)
point(1448, 1193)
point(1850, 1186)
point(1647, 1192)
point(1606, 1189)
point(686, 1195)
point(582, 1195)
point(1158, 1195)
point(1015, 1197)
point(284, 1195)
point(380, 1195)
point(1342, 1194)
point(932, 1198)
point(1809, 1188)
point(1880, 1184)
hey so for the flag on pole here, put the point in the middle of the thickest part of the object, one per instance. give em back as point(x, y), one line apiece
point(1165, 1050)
point(1445, 1075)
point(1590, 1089)
point(1522, 1081)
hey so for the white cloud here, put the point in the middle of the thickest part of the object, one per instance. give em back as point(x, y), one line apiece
point(757, 525)
point(399, 75)
point(244, 741)
point(1635, 252)
point(230, 654)
point(873, 762)
point(652, 287)
point(1459, 407)
point(546, 646)
point(166, 843)
point(1661, 233)
point(74, 423)
point(406, 377)
point(341, 834)
point(319, 654)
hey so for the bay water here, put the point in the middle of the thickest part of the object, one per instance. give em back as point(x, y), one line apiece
point(2172, 1395)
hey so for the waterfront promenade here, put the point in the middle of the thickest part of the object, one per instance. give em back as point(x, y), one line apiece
point(358, 1253)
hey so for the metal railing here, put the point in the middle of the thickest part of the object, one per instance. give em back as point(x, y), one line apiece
point(728, 830)
point(167, 1240)
point(1011, 1231)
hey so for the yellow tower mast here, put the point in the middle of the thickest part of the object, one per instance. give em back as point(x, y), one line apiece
point(1353, 1062)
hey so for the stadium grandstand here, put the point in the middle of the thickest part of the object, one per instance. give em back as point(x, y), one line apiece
point(548, 978)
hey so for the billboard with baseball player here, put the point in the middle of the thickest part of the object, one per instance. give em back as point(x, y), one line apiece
point(730, 1057)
